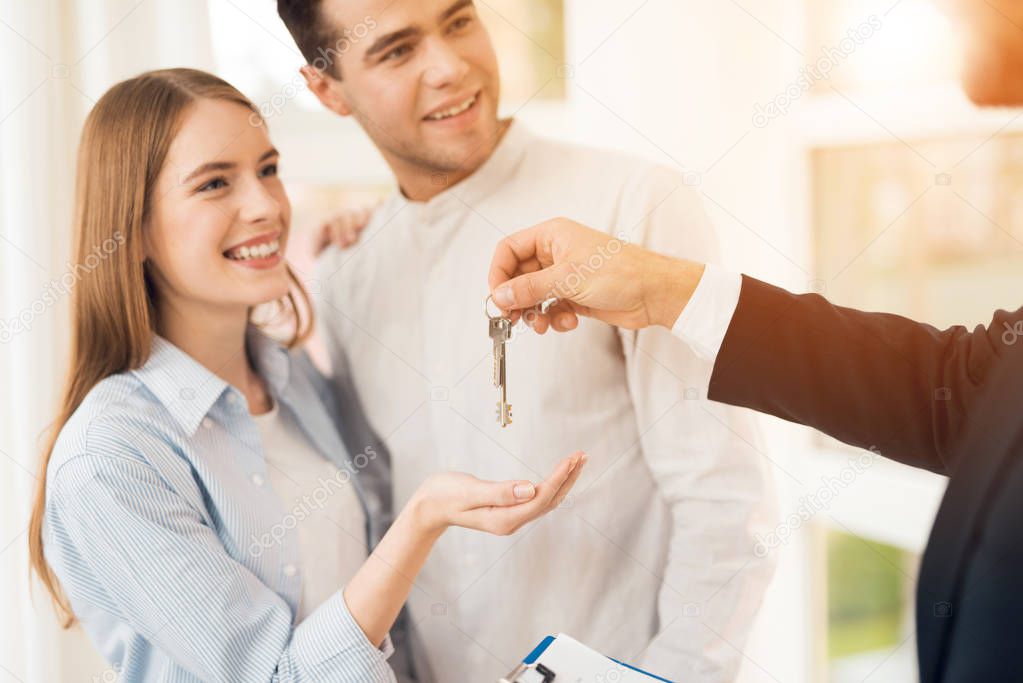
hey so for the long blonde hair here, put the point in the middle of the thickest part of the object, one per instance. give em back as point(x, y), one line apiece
point(113, 309)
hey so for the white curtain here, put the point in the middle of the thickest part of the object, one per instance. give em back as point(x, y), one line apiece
point(56, 58)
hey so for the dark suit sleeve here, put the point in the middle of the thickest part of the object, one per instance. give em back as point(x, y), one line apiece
point(873, 380)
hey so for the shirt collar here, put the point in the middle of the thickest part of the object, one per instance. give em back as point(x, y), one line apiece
point(486, 179)
point(271, 360)
point(188, 390)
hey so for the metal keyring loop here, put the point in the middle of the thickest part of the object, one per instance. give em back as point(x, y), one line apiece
point(486, 308)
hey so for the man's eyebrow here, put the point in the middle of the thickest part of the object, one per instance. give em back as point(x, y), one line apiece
point(225, 165)
point(460, 5)
point(383, 42)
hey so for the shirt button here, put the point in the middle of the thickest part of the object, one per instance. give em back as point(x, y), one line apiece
point(290, 570)
point(207, 422)
point(257, 479)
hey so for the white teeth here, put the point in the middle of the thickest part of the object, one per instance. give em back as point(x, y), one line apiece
point(254, 252)
point(453, 111)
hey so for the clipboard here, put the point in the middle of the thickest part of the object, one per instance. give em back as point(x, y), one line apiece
point(561, 659)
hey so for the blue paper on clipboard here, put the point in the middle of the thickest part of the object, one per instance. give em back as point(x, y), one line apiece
point(561, 659)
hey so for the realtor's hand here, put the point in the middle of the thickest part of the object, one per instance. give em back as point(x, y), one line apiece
point(592, 274)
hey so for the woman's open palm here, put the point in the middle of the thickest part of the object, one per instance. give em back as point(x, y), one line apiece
point(502, 508)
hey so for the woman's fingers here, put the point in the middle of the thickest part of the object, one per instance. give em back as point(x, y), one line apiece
point(549, 494)
point(548, 489)
point(500, 493)
point(566, 487)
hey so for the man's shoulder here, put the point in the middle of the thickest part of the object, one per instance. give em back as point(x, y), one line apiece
point(603, 164)
point(336, 264)
point(655, 203)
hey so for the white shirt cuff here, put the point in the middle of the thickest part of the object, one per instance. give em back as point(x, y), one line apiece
point(705, 319)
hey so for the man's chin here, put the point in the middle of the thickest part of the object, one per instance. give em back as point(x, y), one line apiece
point(465, 152)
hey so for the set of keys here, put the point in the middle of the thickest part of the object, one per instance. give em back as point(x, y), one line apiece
point(500, 333)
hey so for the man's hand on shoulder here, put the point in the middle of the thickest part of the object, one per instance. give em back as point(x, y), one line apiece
point(343, 228)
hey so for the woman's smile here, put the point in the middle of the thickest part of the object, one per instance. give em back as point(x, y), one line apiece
point(261, 252)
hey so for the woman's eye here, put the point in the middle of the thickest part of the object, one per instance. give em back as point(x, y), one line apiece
point(396, 53)
point(269, 170)
point(215, 184)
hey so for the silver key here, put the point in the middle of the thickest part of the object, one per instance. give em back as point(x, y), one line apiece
point(500, 333)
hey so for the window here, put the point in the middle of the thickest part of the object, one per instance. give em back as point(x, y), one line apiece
point(870, 593)
point(875, 44)
point(896, 233)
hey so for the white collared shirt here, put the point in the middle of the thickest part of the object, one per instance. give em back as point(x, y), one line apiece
point(320, 503)
point(653, 554)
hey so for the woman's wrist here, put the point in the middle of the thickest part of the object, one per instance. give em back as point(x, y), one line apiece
point(381, 586)
point(421, 518)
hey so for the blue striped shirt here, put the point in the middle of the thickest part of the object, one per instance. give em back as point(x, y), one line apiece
point(174, 552)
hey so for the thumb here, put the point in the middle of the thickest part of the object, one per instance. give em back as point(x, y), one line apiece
point(533, 288)
point(503, 493)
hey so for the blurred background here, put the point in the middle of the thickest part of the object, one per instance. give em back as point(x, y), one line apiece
point(829, 138)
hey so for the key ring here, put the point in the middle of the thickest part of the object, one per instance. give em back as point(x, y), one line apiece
point(541, 307)
point(486, 308)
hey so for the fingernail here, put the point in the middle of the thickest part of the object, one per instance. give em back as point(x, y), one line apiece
point(524, 491)
point(503, 297)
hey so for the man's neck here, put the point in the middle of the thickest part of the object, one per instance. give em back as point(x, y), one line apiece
point(421, 184)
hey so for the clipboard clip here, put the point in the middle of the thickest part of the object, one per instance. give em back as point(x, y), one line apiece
point(529, 673)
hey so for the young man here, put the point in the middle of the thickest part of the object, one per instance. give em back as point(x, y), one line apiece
point(653, 560)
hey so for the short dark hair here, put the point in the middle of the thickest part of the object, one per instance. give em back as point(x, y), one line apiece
point(305, 23)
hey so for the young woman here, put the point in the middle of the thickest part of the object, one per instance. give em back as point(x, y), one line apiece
point(200, 512)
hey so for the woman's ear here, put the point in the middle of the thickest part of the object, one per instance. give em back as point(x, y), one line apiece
point(327, 90)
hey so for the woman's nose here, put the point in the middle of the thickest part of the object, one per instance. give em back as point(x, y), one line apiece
point(258, 205)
